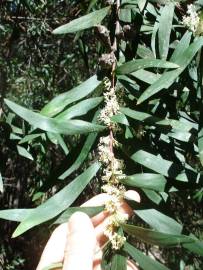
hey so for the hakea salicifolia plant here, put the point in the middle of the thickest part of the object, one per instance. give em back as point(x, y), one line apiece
point(191, 21)
point(112, 170)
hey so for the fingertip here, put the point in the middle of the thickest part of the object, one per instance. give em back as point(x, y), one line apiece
point(132, 195)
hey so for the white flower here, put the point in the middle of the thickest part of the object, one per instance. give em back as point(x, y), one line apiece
point(117, 241)
point(111, 105)
point(113, 204)
point(192, 20)
point(113, 190)
point(105, 154)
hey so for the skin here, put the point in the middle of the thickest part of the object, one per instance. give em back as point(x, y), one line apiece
point(78, 243)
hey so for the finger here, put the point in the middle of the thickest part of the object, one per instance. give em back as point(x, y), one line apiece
point(98, 200)
point(80, 248)
point(132, 195)
point(101, 199)
point(54, 250)
point(124, 208)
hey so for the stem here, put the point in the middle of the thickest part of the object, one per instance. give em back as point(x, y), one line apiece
point(114, 49)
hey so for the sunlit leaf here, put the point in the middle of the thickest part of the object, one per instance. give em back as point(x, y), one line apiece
point(156, 238)
point(134, 65)
point(145, 262)
point(90, 211)
point(69, 127)
point(58, 202)
point(165, 26)
point(146, 180)
point(169, 77)
point(84, 22)
point(57, 104)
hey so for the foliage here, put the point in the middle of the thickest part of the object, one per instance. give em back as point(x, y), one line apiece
point(154, 65)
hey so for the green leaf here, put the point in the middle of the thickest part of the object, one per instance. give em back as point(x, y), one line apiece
point(146, 76)
point(153, 120)
point(84, 22)
point(144, 261)
point(82, 156)
point(182, 46)
point(134, 65)
point(79, 109)
point(144, 52)
point(200, 145)
point(196, 247)
point(119, 262)
point(165, 25)
point(152, 195)
point(168, 78)
point(120, 118)
point(1, 184)
point(163, 223)
point(23, 152)
point(156, 238)
point(141, 4)
point(70, 127)
point(58, 139)
point(159, 221)
point(90, 211)
point(30, 137)
point(15, 214)
point(57, 104)
point(84, 152)
point(159, 165)
point(59, 202)
point(146, 180)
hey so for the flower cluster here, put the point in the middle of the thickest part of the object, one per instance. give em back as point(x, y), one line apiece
point(111, 105)
point(192, 20)
point(112, 172)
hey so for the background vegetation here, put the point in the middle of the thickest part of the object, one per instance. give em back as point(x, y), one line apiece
point(160, 122)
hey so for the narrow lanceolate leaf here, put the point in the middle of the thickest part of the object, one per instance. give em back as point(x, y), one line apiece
point(159, 221)
point(1, 184)
point(82, 156)
point(150, 181)
point(81, 108)
point(23, 152)
point(156, 238)
point(119, 262)
point(134, 65)
point(182, 46)
point(165, 26)
point(152, 195)
point(120, 118)
point(37, 120)
point(168, 78)
point(90, 211)
point(144, 261)
point(59, 202)
point(153, 120)
point(57, 104)
point(146, 76)
point(196, 247)
point(84, 22)
point(200, 145)
point(83, 153)
point(163, 223)
point(159, 165)
point(15, 214)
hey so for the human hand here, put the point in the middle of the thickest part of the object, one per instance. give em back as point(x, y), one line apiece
point(78, 243)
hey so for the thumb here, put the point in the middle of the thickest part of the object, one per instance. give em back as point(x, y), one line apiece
point(81, 242)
